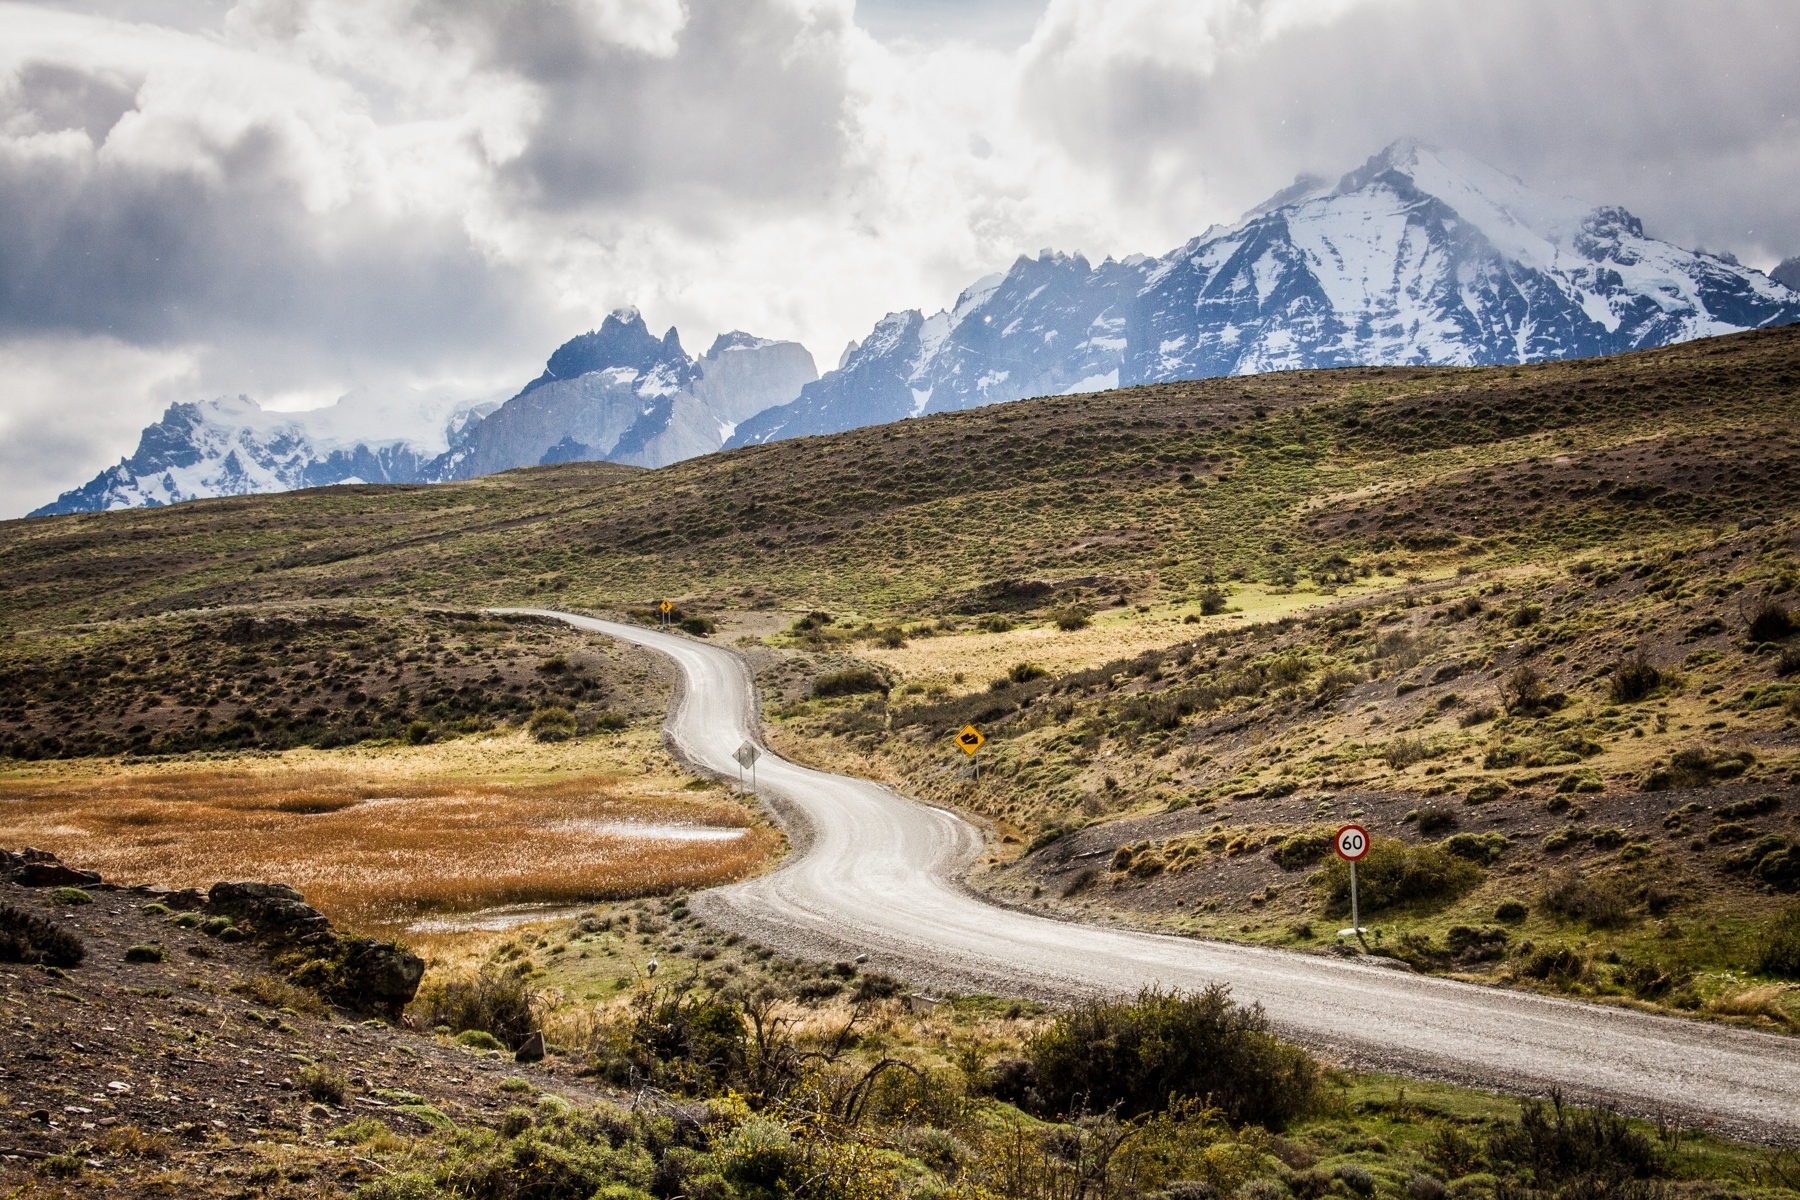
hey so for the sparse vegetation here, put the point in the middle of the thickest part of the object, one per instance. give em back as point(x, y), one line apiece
point(28, 938)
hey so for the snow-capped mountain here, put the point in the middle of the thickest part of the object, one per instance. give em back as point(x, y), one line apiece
point(621, 394)
point(1421, 256)
point(616, 393)
point(235, 447)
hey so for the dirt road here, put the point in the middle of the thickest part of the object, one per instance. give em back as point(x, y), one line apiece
point(874, 872)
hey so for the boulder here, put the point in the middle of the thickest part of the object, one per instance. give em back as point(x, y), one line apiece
point(42, 874)
point(379, 974)
point(531, 1049)
point(274, 908)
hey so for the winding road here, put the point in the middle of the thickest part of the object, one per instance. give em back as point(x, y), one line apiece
point(874, 872)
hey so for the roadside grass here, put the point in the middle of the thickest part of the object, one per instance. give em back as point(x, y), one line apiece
point(377, 837)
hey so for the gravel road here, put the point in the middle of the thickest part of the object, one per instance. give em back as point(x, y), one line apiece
point(874, 872)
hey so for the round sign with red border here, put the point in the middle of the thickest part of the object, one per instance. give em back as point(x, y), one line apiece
point(1351, 842)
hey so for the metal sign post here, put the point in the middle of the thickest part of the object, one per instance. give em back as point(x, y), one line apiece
point(1351, 843)
point(746, 756)
point(970, 739)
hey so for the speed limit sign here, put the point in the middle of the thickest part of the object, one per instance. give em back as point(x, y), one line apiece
point(1352, 842)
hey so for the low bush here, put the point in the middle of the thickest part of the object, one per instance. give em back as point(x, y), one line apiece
point(553, 723)
point(1482, 848)
point(1402, 752)
point(1070, 619)
point(1393, 872)
point(1435, 817)
point(1302, 849)
point(478, 1039)
point(500, 1003)
point(321, 1083)
point(854, 681)
point(1139, 1054)
point(1770, 622)
point(142, 953)
point(28, 938)
point(1511, 910)
point(1212, 601)
point(70, 895)
point(1574, 898)
point(1557, 1145)
point(1634, 678)
point(1779, 954)
point(1025, 672)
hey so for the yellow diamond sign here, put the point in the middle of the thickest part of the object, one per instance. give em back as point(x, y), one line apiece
point(667, 607)
point(970, 739)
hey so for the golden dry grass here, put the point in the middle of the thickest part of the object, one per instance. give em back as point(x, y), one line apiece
point(376, 838)
point(1114, 634)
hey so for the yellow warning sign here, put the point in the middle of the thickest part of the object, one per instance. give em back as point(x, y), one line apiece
point(666, 606)
point(970, 739)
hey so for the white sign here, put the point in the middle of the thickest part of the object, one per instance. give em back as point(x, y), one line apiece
point(747, 754)
point(1352, 842)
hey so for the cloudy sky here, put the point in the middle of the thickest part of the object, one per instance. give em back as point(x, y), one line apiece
point(294, 198)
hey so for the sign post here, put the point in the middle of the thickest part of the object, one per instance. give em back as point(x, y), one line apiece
point(1351, 843)
point(666, 607)
point(970, 739)
point(746, 756)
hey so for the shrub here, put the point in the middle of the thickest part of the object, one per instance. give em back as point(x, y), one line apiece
point(418, 733)
point(1481, 714)
point(1025, 672)
point(1771, 622)
point(1760, 806)
point(1394, 873)
point(698, 626)
point(478, 1039)
point(323, 1084)
point(498, 1003)
point(1212, 601)
point(70, 895)
point(1138, 1054)
point(1433, 817)
point(1511, 910)
point(1482, 848)
point(1523, 690)
point(1697, 766)
point(891, 638)
point(28, 938)
point(1780, 952)
point(1070, 619)
point(1302, 849)
point(1634, 678)
point(553, 723)
point(144, 954)
point(1558, 1145)
point(854, 681)
point(875, 985)
point(1403, 752)
point(1572, 897)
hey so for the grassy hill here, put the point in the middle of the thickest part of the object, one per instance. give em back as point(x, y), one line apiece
point(1263, 477)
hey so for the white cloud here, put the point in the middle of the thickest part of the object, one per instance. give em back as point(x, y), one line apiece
point(293, 198)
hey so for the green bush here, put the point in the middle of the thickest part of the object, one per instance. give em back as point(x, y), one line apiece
point(499, 1003)
point(1482, 848)
point(321, 1083)
point(553, 723)
point(1025, 672)
point(1780, 952)
point(1394, 873)
point(70, 895)
point(144, 954)
point(1771, 622)
point(1559, 1145)
point(1139, 1054)
point(478, 1039)
point(1634, 678)
point(1570, 896)
point(28, 938)
point(1301, 849)
point(1070, 619)
point(854, 681)
point(1212, 601)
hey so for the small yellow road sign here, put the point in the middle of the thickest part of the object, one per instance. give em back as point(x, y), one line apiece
point(970, 739)
point(667, 607)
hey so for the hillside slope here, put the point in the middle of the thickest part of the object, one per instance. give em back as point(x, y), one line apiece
point(1262, 476)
